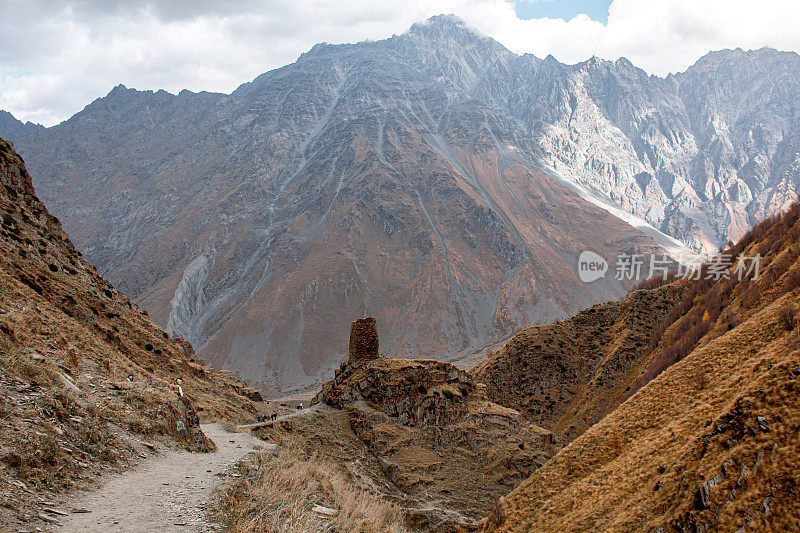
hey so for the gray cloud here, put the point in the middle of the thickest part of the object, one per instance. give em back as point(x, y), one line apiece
point(56, 57)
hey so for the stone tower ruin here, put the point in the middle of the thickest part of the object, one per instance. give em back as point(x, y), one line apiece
point(364, 339)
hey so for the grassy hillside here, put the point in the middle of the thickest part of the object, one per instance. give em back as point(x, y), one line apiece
point(710, 439)
point(567, 375)
point(87, 381)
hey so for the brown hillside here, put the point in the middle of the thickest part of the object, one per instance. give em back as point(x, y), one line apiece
point(711, 443)
point(85, 376)
point(439, 440)
point(420, 434)
point(567, 375)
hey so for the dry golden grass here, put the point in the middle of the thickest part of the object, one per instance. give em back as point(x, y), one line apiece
point(641, 467)
point(711, 443)
point(277, 492)
point(43, 372)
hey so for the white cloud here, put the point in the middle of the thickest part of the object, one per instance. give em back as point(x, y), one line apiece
point(55, 60)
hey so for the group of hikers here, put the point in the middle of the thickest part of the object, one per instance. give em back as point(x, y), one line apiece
point(177, 387)
point(274, 416)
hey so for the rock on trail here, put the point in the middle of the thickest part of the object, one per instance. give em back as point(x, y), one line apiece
point(166, 493)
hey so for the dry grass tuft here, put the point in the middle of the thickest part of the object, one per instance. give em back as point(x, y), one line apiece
point(700, 379)
point(230, 427)
point(72, 358)
point(21, 364)
point(277, 492)
point(787, 318)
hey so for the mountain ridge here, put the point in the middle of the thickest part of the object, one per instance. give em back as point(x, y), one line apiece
point(10, 127)
point(204, 195)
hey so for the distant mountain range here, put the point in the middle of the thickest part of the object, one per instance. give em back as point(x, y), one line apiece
point(12, 128)
point(434, 180)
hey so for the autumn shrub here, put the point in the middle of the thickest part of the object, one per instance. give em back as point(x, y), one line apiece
point(760, 230)
point(37, 460)
point(656, 281)
point(792, 280)
point(706, 298)
point(72, 358)
point(685, 340)
point(781, 264)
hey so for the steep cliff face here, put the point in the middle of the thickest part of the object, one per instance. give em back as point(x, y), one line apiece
point(701, 155)
point(433, 179)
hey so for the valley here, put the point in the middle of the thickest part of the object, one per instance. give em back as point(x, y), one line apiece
point(411, 284)
point(434, 180)
point(397, 444)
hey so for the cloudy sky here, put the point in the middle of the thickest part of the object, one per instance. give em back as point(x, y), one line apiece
point(56, 57)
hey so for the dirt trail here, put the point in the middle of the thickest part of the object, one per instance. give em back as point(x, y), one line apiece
point(300, 412)
point(165, 493)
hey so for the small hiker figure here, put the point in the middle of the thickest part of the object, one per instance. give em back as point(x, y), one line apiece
point(301, 405)
point(176, 387)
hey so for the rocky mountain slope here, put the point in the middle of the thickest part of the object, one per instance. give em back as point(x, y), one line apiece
point(701, 155)
point(709, 438)
point(362, 179)
point(87, 381)
point(568, 375)
point(433, 179)
point(419, 433)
